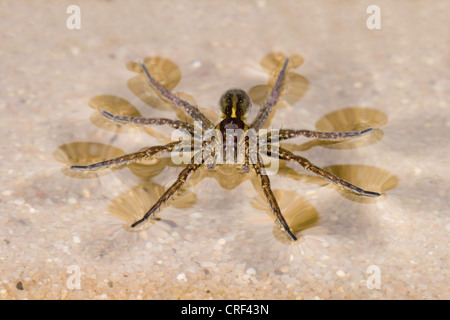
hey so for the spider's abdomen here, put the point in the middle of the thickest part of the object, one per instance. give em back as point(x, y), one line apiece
point(231, 124)
point(232, 130)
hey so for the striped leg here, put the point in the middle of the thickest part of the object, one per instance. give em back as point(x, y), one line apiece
point(191, 110)
point(182, 177)
point(289, 156)
point(128, 158)
point(264, 112)
point(176, 124)
point(285, 134)
point(265, 182)
point(246, 167)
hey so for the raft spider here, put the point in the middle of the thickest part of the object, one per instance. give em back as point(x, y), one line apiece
point(234, 106)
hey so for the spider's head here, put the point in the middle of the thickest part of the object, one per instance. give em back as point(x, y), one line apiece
point(235, 103)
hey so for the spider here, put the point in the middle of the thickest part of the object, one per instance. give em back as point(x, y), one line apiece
point(234, 106)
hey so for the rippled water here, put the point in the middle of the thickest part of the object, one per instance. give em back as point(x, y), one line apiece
point(217, 238)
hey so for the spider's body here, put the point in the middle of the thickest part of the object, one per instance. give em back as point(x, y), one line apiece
point(233, 136)
point(234, 105)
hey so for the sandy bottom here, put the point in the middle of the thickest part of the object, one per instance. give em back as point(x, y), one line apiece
point(63, 235)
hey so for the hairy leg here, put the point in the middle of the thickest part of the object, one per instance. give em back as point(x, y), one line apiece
point(176, 124)
point(289, 156)
point(264, 112)
point(246, 167)
point(182, 177)
point(285, 134)
point(128, 158)
point(191, 110)
point(265, 182)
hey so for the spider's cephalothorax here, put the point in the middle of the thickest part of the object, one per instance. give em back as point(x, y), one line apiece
point(234, 106)
point(235, 103)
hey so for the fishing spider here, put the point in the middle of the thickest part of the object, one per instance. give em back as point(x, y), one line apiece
point(234, 106)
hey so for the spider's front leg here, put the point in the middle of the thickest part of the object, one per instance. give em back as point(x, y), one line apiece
point(140, 121)
point(191, 110)
point(265, 182)
point(182, 177)
point(128, 158)
point(305, 163)
point(264, 112)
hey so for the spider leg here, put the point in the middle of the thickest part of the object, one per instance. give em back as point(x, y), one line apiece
point(265, 182)
point(264, 112)
point(191, 110)
point(182, 177)
point(289, 156)
point(128, 158)
point(176, 124)
point(285, 134)
point(212, 164)
point(246, 167)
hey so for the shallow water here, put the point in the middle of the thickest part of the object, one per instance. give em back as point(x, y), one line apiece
point(216, 239)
